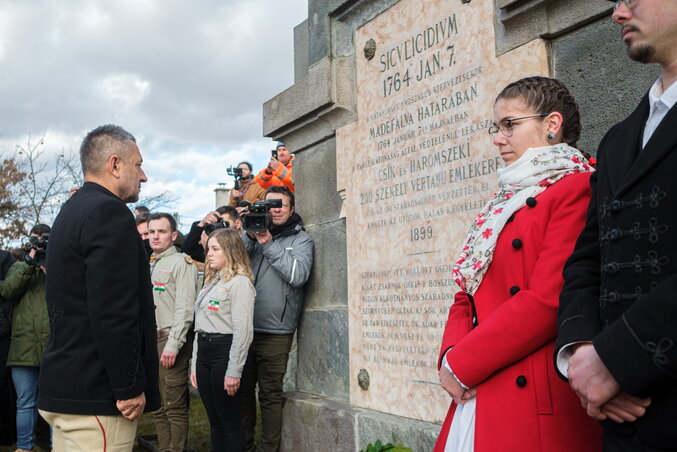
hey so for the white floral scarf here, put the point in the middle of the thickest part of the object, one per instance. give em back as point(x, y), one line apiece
point(526, 178)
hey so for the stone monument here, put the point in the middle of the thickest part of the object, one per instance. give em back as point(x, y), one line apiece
point(418, 164)
point(388, 118)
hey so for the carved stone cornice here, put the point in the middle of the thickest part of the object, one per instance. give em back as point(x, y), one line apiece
point(520, 21)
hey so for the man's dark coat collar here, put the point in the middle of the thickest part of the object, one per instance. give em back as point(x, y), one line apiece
point(626, 167)
point(95, 186)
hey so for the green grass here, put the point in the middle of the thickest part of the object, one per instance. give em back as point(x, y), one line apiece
point(198, 427)
point(13, 448)
point(198, 433)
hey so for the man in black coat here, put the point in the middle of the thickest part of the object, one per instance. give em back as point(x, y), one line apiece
point(618, 307)
point(99, 370)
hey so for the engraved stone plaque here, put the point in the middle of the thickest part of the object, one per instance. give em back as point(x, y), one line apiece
point(415, 169)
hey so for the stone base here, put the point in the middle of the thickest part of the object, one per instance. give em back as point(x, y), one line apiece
point(313, 423)
point(417, 435)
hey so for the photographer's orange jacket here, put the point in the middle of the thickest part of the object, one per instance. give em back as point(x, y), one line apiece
point(281, 176)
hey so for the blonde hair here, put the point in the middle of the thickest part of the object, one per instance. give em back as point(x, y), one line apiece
point(237, 260)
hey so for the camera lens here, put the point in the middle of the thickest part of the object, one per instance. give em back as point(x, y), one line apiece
point(221, 224)
point(210, 228)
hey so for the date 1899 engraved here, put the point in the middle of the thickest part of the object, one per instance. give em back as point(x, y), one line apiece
point(421, 233)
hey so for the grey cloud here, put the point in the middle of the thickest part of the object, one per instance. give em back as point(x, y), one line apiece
point(208, 65)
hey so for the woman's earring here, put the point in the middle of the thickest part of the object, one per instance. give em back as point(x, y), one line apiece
point(550, 136)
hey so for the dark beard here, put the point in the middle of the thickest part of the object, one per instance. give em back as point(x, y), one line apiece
point(641, 54)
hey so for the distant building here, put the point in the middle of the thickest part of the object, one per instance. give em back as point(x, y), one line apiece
point(221, 194)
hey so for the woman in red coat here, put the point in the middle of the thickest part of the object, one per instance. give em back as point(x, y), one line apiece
point(496, 355)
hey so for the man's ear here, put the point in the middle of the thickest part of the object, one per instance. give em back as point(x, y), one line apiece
point(113, 165)
point(175, 235)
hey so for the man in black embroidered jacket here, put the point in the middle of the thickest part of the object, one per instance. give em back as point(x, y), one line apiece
point(618, 307)
point(99, 370)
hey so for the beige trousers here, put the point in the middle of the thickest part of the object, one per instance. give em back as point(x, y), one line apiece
point(89, 433)
point(171, 420)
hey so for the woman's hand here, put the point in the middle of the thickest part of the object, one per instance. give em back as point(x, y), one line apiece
point(231, 385)
point(469, 394)
point(193, 379)
point(453, 387)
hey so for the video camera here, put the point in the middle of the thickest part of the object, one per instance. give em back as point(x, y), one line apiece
point(236, 172)
point(39, 244)
point(255, 218)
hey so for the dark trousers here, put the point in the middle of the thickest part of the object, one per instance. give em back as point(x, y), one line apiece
point(616, 442)
point(7, 397)
point(266, 366)
point(223, 411)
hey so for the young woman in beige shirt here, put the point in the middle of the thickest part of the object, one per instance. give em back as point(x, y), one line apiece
point(224, 312)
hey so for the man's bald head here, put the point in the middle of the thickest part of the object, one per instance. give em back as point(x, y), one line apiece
point(100, 144)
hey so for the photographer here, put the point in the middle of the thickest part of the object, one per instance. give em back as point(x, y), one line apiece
point(25, 285)
point(245, 188)
point(194, 243)
point(278, 172)
point(281, 259)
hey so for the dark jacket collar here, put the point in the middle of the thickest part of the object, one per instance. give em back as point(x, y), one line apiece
point(627, 161)
point(94, 186)
point(290, 227)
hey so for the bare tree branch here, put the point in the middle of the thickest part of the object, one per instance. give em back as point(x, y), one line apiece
point(47, 181)
point(157, 203)
point(34, 185)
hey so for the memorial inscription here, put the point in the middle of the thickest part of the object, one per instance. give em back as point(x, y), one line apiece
point(418, 165)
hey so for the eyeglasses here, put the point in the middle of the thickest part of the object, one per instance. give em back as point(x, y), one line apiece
point(629, 3)
point(506, 125)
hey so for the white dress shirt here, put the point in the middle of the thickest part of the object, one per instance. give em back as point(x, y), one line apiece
point(660, 102)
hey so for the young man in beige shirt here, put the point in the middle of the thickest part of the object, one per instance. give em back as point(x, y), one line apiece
point(174, 279)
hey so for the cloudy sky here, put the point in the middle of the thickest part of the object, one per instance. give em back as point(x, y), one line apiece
point(187, 78)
